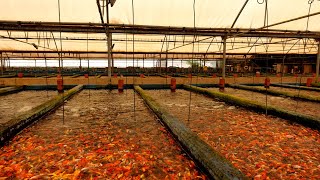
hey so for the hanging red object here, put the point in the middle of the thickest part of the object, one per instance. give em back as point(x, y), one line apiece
point(267, 83)
point(173, 85)
point(60, 85)
point(86, 75)
point(235, 75)
point(115, 75)
point(20, 75)
point(313, 74)
point(214, 75)
point(278, 75)
point(189, 75)
point(59, 76)
point(142, 76)
point(120, 85)
point(309, 82)
point(295, 75)
point(221, 84)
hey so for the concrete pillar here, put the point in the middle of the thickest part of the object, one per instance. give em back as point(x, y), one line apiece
point(318, 62)
point(224, 57)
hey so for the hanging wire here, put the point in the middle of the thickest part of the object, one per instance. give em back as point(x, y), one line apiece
point(32, 44)
point(164, 40)
point(253, 71)
point(167, 47)
point(244, 5)
point(60, 59)
point(266, 86)
point(284, 57)
point(310, 2)
point(299, 89)
point(127, 62)
point(134, 94)
point(88, 63)
point(45, 62)
point(267, 46)
point(301, 67)
point(304, 52)
point(194, 36)
point(198, 66)
point(266, 15)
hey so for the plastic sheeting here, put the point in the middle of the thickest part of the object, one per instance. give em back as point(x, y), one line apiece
point(208, 13)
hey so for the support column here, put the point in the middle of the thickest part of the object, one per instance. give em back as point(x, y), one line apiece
point(318, 62)
point(224, 57)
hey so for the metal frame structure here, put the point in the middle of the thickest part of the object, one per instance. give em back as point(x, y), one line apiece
point(77, 27)
point(207, 33)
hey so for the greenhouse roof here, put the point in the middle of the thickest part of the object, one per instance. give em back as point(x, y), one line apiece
point(166, 13)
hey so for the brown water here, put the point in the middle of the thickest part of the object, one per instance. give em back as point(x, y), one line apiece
point(302, 107)
point(261, 147)
point(102, 138)
point(14, 104)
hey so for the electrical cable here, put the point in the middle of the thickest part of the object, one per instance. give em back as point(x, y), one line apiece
point(266, 14)
point(164, 40)
point(134, 74)
point(32, 44)
point(167, 47)
point(299, 89)
point(127, 63)
point(282, 67)
point(61, 70)
point(310, 2)
point(194, 26)
point(244, 5)
point(45, 61)
point(304, 52)
point(88, 64)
